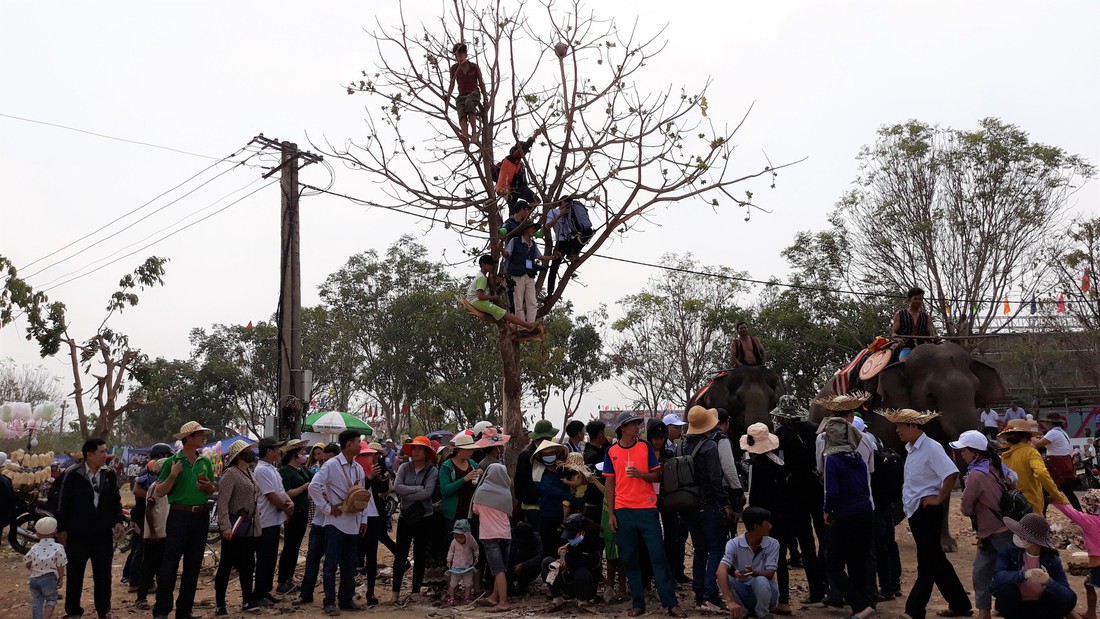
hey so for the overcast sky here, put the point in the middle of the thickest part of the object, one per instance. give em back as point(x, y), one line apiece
point(205, 77)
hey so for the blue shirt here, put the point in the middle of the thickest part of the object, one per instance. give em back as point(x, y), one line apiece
point(926, 466)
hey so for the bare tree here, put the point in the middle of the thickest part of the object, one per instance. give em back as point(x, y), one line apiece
point(23, 383)
point(966, 215)
point(553, 68)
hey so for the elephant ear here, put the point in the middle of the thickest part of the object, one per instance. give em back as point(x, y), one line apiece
point(990, 386)
point(893, 386)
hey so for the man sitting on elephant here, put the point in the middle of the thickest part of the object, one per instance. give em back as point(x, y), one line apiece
point(912, 321)
point(746, 349)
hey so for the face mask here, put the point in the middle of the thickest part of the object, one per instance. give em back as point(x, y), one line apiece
point(549, 459)
point(1019, 542)
point(576, 540)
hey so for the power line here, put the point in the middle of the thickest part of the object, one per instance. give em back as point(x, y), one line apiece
point(131, 212)
point(167, 236)
point(108, 137)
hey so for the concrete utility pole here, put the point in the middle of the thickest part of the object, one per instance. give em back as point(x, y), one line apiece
point(292, 390)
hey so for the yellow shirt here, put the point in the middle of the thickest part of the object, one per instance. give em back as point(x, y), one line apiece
point(1034, 478)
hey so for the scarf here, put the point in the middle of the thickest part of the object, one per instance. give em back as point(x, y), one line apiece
point(494, 489)
point(982, 466)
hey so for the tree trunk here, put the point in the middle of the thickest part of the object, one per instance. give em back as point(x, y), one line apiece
point(512, 414)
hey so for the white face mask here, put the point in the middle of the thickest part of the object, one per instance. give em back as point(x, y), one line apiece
point(1019, 542)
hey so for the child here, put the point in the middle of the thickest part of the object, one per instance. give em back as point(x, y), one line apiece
point(467, 76)
point(1090, 530)
point(478, 296)
point(578, 481)
point(461, 559)
point(46, 561)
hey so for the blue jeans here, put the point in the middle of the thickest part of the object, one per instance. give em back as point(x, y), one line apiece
point(757, 594)
point(43, 593)
point(638, 527)
point(313, 561)
point(341, 551)
point(985, 565)
point(1054, 603)
point(707, 528)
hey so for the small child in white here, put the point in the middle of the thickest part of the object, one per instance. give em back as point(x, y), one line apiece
point(46, 561)
point(461, 559)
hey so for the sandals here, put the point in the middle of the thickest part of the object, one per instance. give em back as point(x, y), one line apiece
point(635, 612)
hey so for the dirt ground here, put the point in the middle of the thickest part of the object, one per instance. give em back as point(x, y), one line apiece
point(15, 599)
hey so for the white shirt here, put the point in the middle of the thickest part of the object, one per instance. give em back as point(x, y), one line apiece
point(926, 466)
point(1059, 442)
point(268, 479)
point(45, 557)
point(330, 486)
point(990, 418)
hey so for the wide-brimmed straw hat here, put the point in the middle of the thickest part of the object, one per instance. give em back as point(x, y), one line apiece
point(236, 448)
point(491, 437)
point(701, 420)
point(788, 408)
point(1033, 528)
point(908, 415)
point(758, 439)
point(1026, 426)
point(375, 445)
point(294, 444)
point(190, 428)
point(840, 436)
point(420, 441)
point(843, 401)
point(546, 446)
point(463, 440)
point(575, 462)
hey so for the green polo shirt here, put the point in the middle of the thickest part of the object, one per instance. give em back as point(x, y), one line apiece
point(186, 490)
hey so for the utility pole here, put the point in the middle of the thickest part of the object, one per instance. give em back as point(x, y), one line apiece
point(291, 389)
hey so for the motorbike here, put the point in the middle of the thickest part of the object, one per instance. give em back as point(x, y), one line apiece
point(30, 507)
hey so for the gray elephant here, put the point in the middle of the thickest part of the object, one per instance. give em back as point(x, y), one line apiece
point(747, 392)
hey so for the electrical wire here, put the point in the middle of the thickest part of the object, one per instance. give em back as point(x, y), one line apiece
point(108, 137)
point(167, 236)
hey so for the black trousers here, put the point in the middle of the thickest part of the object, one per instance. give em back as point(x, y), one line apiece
point(314, 554)
point(368, 548)
point(238, 554)
point(799, 528)
point(551, 536)
point(887, 555)
point(848, 544)
point(81, 548)
point(267, 554)
point(676, 532)
point(185, 538)
point(568, 247)
point(933, 566)
point(578, 584)
point(417, 536)
point(152, 555)
point(294, 531)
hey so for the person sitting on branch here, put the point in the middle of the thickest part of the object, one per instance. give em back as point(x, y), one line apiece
point(912, 321)
point(512, 175)
point(470, 90)
point(479, 297)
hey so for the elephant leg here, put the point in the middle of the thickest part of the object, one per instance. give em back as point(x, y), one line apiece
point(947, 542)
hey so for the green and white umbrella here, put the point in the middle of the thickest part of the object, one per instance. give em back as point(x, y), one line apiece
point(335, 422)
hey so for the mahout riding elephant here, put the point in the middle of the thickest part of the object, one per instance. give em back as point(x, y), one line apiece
point(747, 392)
point(941, 377)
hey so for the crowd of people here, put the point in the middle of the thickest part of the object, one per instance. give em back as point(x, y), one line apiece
point(595, 514)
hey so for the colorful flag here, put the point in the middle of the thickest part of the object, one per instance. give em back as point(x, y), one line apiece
point(249, 324)
point(1061, 302)
point(1085, 283)
point(1034, 306)
point(1008, 308)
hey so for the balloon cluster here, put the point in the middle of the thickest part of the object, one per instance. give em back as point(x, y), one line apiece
point(24, 469)
point(17, 418)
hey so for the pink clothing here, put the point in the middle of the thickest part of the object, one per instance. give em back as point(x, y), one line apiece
point(1090, 527)
point(462, 555)
point(1030, 590)
point(494, 523)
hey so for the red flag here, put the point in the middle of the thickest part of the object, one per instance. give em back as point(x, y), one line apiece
point(1085, 283)
point(249, 324)
point(1061, 302)
point(1008, 308)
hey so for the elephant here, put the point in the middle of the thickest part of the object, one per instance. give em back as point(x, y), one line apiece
point(747, 392)
point(941, 377)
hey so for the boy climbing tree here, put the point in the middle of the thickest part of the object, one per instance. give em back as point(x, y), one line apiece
point(512, 175)
point(470, 90)
point(478, 295)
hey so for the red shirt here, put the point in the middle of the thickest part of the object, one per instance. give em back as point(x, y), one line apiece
point(632, 492)
point(467, 82)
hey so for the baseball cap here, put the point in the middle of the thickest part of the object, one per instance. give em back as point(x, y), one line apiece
point(672, 419)
point(973, 439)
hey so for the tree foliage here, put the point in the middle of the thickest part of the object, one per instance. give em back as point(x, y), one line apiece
point(23, 383)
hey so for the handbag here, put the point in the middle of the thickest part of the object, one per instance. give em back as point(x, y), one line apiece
point(1013, 503)
point(358, 496)
point(242, 525)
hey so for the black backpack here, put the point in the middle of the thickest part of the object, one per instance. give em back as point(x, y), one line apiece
point(680, 491)
point(1013, 503)
point(889, 474)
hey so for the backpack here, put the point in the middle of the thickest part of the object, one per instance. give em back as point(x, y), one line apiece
point(1013, 503)
point(680, 492)
point(886, 480)
point(582, 223)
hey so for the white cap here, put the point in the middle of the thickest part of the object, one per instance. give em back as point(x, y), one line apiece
point(45, 526)
point(859, 423)
point(3, 458)
point(672, 419)
point(480, 426)
point(972, 439)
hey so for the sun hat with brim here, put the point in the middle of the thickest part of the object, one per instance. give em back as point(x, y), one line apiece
point(701, 420)
point(236, 448)
point(546, 446)
point(463, 440)
point(575, 462)
point(1033, 528)
point(190, 428)
point(1024, 426)
point(543, 430)
point(367, 449)
point(377, 447)
point(788, 408)
point(491, 437)
point(971, 439)
point(627, 417)
point(908, 415)
point(294, 444)
point(758, 439)
point(420, 441)
point(840, 437)
point(843, 401)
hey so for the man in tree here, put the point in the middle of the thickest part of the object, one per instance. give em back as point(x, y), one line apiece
point(746, 349)
point(566, 242)
point(470, 89)
point(912, 321)
point(512, 175)
point(522, 253)
point(478, 296)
